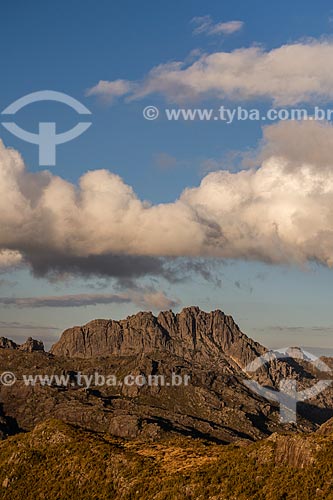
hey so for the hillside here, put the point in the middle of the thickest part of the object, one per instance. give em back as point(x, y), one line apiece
point(56, 460)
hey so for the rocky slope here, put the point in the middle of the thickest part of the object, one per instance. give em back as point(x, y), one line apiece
point(56, 460)
point(208, 348)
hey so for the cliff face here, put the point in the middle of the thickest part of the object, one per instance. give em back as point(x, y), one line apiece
point(192, 335)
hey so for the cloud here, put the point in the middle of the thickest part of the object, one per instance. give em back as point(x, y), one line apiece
point(57, 227)
point(243, 286)
point(165, 161)
point(7, 283)
point(288, 75)
point(110, 91)
point(144, 298)
point(314, 144)
point(20, 331)
point(78, 300)
point(9, 259)
point(316, 330)
point(58, 264)
point(280, 212)
point(205, 25)
point(16, 325)
point(153, 299)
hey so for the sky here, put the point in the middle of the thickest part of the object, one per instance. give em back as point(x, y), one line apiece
point(141, 214)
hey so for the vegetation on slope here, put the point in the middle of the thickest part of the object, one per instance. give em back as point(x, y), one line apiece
point(58, 461)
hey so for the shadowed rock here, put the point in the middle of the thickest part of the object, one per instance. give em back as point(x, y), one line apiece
point(32, 345)
point(7, 343)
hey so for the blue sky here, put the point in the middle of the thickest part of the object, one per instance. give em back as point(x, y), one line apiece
point(69, 47)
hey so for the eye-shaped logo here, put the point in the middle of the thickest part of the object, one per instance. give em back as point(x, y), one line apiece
point(47, 138)
point(287, 396)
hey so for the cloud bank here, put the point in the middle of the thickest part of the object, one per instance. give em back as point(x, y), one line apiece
point(148, 298)
point(288, 75)
point(280, 212)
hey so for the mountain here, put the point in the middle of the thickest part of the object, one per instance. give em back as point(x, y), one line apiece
point(192, 335)
point(207, 348)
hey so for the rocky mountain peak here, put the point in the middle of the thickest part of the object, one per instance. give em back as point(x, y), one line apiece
point(192, 334)
point(7, 343)
point(32, 345)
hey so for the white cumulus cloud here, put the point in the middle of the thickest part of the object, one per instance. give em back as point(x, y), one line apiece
point(288, 75)
point(280, 212)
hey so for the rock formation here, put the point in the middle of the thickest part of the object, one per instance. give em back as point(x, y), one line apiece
point(209, 348)
point(32, 345)
point(7, 344)
point(193, 335)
